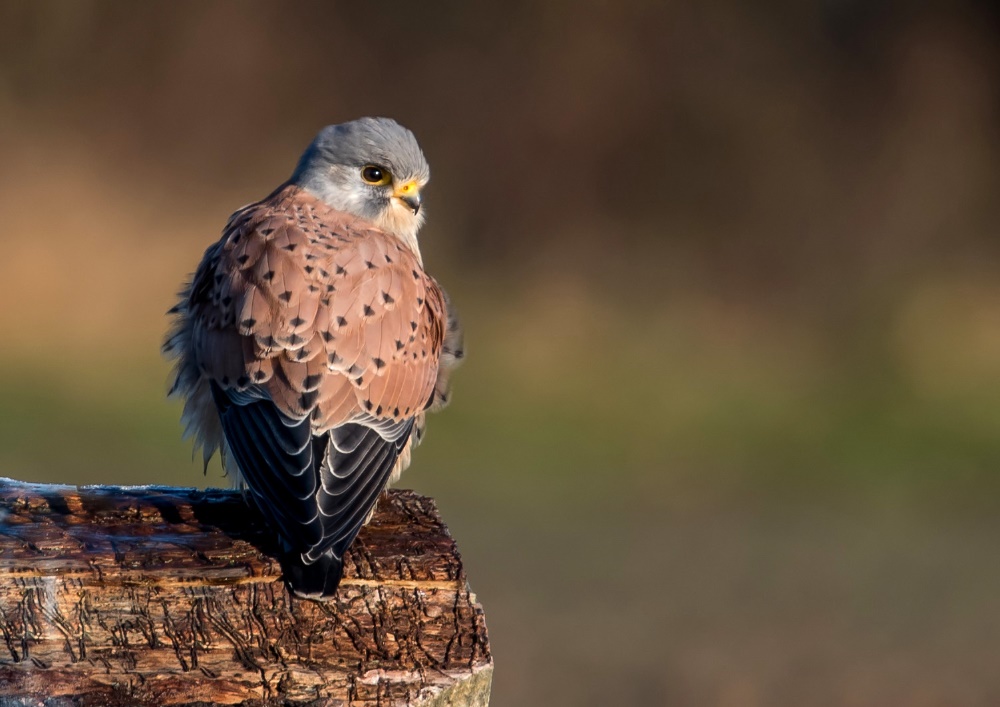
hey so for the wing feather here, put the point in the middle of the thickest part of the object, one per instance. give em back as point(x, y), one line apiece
point(275, 457)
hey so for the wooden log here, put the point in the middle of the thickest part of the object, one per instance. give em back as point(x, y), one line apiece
point(169, 596)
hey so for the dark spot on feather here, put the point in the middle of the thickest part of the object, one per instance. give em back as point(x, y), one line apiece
point(420, 301)
point(242, 260)
point(311, 381)
point(268, 342)
point(395, 412)
point(368, 311)
point(353, 370)
point(379, 363)
point(311, 256)
point(313, 288)
point(416, 275)
point(370, 265)
point(378, 410)
point(387, 298)
point(226, 301)
point(315, 413)
point(266, 231)
point(330, 288)
point(248, 323)
point(290, 247)
point(236, 238)
point(243, 381)
point(360, 380)
point(259, 375)
point(387, 258)
point(333, 358)
point(368, 404)
point(323, 273)
point(285, 296)
point(308, 399)
point(414, 355)
point(309, 268)
point(302, 354)
point(399, 344)
point(269, 275)
point(413, 326)
point(325, 301)
point(297, 321)
point(341, 271)
point(295, 339)
point(326, 335)
point(341, 321)
point(218, 277)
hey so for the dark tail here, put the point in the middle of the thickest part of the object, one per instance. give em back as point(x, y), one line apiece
point(318, 580)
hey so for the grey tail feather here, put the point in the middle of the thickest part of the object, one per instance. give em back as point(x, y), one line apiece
point(317, 580)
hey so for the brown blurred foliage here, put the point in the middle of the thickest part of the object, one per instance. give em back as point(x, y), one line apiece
point(768, 146)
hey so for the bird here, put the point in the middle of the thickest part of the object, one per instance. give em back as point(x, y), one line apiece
point(310, 343)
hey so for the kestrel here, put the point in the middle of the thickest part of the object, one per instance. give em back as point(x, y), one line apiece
point(310, 342)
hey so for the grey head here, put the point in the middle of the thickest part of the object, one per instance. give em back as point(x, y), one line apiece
point(371, 168)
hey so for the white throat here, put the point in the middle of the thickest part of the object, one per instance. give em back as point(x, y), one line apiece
point(398, 220)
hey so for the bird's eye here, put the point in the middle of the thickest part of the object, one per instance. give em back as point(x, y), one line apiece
point(373, 174)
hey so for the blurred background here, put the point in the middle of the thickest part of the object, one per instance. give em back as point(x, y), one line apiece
point(729, 428)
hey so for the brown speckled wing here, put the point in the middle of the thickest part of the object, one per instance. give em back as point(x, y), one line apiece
point(332, 318)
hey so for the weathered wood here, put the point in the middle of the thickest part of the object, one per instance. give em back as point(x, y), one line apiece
point(166, 596)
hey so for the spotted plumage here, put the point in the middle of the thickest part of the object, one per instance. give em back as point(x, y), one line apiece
point(310, 342)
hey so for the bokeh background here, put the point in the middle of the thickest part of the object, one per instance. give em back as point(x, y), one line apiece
point(729, 428)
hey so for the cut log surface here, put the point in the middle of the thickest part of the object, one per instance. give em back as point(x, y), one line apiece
point(169, 596)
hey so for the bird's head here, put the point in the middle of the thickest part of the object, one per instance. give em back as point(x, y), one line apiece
point(371, 168)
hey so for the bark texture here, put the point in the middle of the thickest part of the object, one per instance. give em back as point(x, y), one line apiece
point(167, 596)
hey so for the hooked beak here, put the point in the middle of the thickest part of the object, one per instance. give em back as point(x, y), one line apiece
point(409, 194)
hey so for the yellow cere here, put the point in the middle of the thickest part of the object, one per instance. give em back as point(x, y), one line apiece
point(410, 187)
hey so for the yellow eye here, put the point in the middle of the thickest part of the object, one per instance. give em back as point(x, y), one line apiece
point(373, 174)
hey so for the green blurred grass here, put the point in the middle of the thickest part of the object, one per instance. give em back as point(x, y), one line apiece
point(546, 412)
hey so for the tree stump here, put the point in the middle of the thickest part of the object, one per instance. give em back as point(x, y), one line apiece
point(170, 596)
